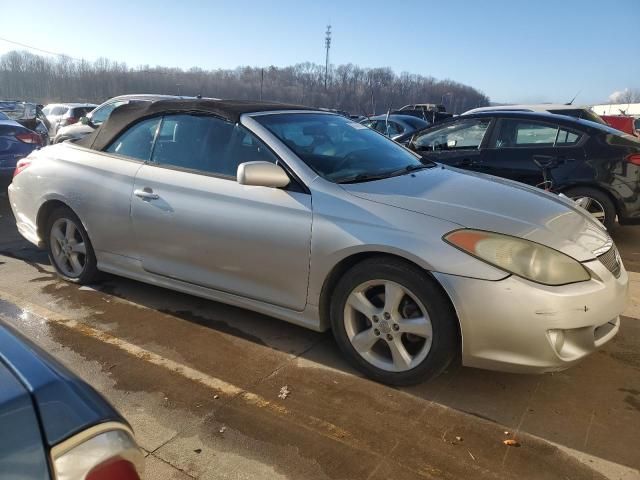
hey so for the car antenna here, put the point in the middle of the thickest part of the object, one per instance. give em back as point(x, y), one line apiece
point(574, 97)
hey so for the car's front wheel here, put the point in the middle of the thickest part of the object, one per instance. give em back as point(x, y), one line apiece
point(393, 321)
point(69, 247)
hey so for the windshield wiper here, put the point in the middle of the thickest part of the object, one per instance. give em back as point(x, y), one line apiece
point(363, 177)
point(421, 166)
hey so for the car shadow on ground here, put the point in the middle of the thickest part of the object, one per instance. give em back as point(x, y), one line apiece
point(593, 407)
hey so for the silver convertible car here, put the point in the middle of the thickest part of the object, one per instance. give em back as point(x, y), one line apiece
point(320, 221)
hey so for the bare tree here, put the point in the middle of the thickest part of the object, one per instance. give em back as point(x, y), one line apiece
point(351, 88)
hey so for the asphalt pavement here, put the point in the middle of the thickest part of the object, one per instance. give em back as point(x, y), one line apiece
point(201, 384)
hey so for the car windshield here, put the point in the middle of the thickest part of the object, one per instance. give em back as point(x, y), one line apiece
point(339, 149)
point(3, 116)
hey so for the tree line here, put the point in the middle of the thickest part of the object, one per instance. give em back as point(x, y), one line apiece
point(357, 90)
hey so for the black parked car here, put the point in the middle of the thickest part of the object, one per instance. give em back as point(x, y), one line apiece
point(54, 425)
point(594, 164)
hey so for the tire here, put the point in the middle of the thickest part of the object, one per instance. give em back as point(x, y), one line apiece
point(69, 247)
point(597, 203)
point(394, 294)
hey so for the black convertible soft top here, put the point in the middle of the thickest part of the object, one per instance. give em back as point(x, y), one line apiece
point(132, 112)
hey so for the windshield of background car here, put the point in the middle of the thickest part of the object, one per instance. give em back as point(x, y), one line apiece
point(3, 116)
point(337, 148)
point(614, 137)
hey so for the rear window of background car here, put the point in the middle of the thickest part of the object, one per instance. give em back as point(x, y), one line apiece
point(80, 111)
point(518, 133)
point(58, 110)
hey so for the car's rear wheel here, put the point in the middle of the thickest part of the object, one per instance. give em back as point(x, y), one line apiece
point(393, 321)
point(598, 204)
point(69, 247)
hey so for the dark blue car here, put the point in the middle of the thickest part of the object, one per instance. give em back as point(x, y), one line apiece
point(55, 426)
point(16, 142)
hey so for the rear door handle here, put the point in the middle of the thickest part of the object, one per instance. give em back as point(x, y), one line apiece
point(146, 194)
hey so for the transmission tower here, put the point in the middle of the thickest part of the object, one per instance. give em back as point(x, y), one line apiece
point(327, 46)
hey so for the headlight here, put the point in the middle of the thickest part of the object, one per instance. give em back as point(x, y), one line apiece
point(521, 257)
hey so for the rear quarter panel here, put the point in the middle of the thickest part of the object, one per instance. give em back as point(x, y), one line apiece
point(606, 155)
point(96, 186)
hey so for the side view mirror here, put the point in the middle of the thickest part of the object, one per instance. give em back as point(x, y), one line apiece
point(262, 174)
point(85, 120)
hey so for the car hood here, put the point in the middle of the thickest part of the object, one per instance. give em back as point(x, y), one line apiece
point(488, 203)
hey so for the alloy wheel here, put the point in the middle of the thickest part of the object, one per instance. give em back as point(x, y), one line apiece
point(591, 205)
point(68, 247)
point(387, 325)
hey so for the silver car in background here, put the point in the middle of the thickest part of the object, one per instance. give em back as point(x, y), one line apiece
point(97, 115)
point(320, 221)
point(61, 115)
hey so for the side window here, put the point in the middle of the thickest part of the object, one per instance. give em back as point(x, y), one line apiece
point(136, 141)
point(100, 115)
point(464, 134)
point(379, 126)
point(388, 128)
point(395, 128)
point(207, 144)
point(523, 134)
point(566, 138)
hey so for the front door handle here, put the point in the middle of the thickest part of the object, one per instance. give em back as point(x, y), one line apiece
point(146, 194)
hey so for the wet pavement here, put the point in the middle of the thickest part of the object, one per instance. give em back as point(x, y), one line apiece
point(199, 382)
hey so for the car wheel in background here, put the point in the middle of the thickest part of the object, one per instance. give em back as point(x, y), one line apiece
point(393, 321)
point(69, 247)
point(596, 203)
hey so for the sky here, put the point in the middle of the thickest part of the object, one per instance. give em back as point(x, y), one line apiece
point(514, 51)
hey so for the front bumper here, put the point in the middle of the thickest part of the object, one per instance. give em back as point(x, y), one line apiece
point(515, 325)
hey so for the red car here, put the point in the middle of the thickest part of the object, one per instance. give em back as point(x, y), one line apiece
point(624, 123)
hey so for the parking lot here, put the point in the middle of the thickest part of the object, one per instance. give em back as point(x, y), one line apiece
point(200, 384)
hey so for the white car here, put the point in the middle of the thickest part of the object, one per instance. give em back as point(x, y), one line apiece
point(63, 114)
